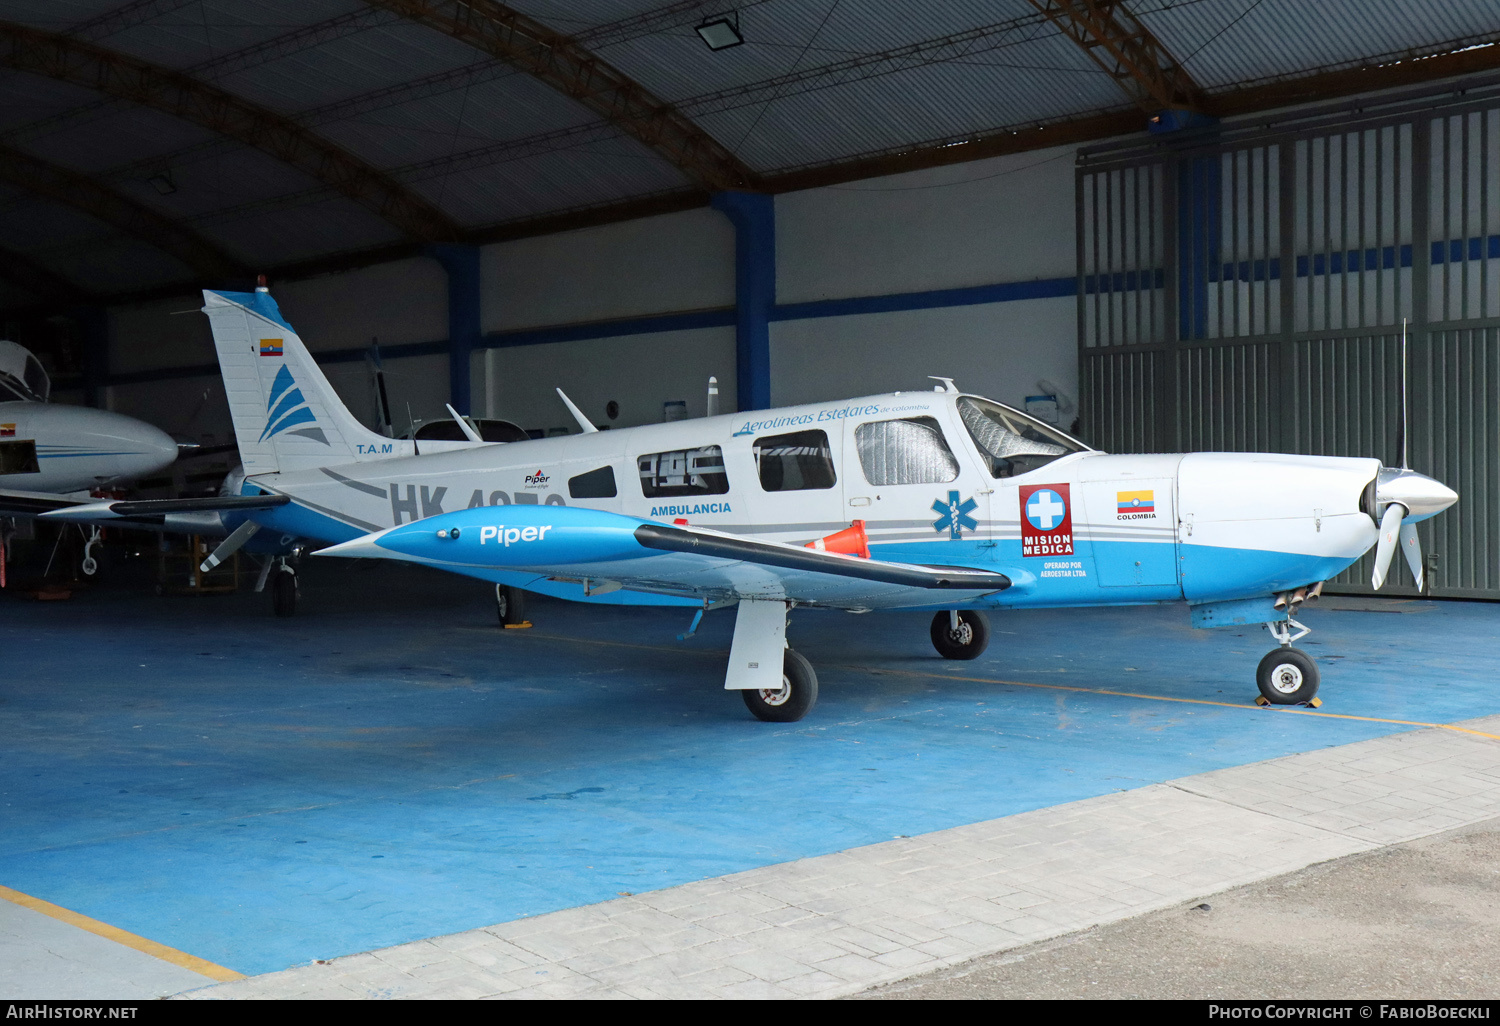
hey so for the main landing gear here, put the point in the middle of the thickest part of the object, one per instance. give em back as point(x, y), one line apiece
point(960, 633)
point(792, 701)
point(284, 590)
point(510, 606)
point(1287, 675)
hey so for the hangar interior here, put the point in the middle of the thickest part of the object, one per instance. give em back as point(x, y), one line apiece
point(1199, 225)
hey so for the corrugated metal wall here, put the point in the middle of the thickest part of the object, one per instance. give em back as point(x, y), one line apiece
point(1247, 294)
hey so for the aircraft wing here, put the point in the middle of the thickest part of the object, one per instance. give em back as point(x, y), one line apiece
point(29, 504)
point(155, 511)
point(608, 552)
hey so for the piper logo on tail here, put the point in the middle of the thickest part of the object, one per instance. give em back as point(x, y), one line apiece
point(285, 408)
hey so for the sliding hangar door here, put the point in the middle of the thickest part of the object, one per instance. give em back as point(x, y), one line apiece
point(1246, 292)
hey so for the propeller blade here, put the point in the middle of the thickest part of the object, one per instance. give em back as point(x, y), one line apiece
point(1412, 546)
point(1385, 548)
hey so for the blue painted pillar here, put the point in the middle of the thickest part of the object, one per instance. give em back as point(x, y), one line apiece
point(462, 264)
point(753, 215)
point(1199, 254)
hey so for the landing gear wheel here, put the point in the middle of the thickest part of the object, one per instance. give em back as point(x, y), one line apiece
point(284, 592)
point(798, 694)
point(1287, 676)
point(510, 605)
point(968, 641)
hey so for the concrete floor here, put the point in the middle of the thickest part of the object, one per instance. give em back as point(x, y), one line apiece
point(390, 766)
point(1416, 921)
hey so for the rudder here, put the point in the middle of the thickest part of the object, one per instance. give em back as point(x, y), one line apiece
point(286, 415)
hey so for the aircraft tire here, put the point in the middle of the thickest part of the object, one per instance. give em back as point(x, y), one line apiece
point(284, 593)
point(1287, 676)
point(971, 639)
point(799, 692)
point(510, 604)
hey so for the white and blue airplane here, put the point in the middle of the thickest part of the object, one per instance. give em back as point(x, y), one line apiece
point(936, 501)
point(49, 449)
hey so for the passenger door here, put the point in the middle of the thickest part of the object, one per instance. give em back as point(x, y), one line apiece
point(914, 483)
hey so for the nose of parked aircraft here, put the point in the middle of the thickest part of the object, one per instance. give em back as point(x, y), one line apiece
point(140, 448)
point(1422, 496)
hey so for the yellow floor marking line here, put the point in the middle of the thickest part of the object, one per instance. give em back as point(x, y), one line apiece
point(1168, 698)
point(119, 936)
point(1049, 687)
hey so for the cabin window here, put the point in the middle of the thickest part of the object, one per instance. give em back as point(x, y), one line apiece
point(1011, 442)
point(596, 484)
point(683, 472)
point(897, 452)
point(794, 462)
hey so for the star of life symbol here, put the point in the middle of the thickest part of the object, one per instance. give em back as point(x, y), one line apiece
point(1045, 509)
point(953, 516)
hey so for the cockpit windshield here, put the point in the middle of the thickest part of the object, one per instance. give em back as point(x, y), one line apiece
point(21, 375)
point(37, 382)
point(1011, 442)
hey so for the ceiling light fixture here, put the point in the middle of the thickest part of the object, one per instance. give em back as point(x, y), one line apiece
point(721, 33)
point(163, 183)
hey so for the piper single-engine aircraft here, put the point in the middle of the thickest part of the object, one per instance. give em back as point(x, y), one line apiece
point(938, 501)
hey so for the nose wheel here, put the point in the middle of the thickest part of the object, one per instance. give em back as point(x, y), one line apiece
point(1287, 675)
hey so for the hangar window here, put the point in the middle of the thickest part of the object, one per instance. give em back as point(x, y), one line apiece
point(683, 472)
point(1012, 442)
point(897, 452)
point(596, 484)
point(795, 462)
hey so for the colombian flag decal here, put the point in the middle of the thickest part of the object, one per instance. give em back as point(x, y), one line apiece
point(1133, 505)
point(7, 431)
point(270, 347)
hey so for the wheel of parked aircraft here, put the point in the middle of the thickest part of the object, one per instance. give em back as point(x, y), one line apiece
point(798, 694)
point(968, 641)
point(510, 604)
point(1287, 676)
point(284, 593)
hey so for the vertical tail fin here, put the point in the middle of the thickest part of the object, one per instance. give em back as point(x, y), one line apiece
point(286, 415)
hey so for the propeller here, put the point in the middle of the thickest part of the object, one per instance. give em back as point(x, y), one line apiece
point(1390, 530)
point(1402, 498)
point(1391, 527)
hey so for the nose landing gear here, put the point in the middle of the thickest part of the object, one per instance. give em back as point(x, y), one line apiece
point(1287, 675)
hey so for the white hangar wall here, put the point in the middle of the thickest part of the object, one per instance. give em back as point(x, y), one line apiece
point(653, 265)
point(879, 283)
point(1008, 220)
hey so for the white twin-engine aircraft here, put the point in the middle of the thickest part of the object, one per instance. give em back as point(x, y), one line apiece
point(936, 501)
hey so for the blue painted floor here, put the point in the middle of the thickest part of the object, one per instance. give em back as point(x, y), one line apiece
point(390, 765)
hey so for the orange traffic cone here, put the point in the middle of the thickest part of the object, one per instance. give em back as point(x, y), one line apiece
point(851, 541)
